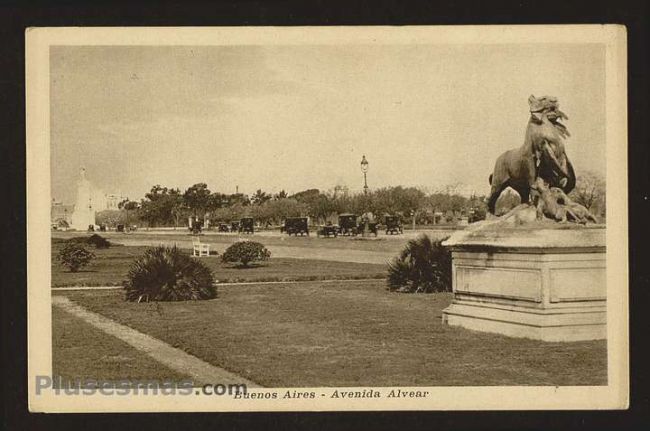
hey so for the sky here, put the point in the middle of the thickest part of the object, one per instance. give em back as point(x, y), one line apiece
point(299, 117)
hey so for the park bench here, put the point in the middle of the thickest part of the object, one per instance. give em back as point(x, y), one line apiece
point(199, 248)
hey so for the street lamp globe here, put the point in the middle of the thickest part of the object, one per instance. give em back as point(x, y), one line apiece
point(364, 164)
point(364, 169)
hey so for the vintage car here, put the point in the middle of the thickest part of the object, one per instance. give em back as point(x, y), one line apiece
point(295, 226)
point(393, 225)
point(328, 230)
point(247, 225)
point(223, 227)
point(234, 226)
point(373, 227)
point(196, 227)
point(348, 224)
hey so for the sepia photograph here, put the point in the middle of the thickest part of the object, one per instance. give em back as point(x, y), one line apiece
point(345, 218)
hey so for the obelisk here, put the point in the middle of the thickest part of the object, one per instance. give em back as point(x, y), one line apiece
point(84, 212)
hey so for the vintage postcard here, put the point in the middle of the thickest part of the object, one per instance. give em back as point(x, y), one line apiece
point(323, 219)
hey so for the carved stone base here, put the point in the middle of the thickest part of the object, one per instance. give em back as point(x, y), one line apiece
point(530, 289)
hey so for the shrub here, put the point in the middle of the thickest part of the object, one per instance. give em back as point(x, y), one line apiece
point(423, 266)
point(245, 252)
point(97, 240)
point(167, 274)
point(74, 256)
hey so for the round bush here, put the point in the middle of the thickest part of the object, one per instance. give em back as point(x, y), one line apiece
point(168, 274)
point(97, 240)
point(423, 266)
point(245, 252)
point(74, 256)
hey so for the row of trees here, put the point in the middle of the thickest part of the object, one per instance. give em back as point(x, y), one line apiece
point(164, 206)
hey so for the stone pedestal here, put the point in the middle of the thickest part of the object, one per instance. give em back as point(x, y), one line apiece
point(536, 280)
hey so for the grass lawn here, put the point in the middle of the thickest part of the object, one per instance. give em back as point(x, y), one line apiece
point(111, 265)
point(348, 334)
point(382, 243)
point(80, 352)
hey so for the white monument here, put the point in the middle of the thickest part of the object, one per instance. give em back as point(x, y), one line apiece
point(84, 211)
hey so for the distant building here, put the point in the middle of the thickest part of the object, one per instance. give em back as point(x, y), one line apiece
point(113, 201)
point(61, 212)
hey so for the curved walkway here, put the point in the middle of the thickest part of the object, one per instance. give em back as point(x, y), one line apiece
point(200, 371)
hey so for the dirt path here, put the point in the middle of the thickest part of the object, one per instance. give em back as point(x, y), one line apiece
point(201, 372)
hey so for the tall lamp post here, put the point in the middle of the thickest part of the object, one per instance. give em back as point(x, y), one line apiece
point(364, 169)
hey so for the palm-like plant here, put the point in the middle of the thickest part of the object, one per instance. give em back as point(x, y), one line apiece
point(423, 266)
point(167, 274)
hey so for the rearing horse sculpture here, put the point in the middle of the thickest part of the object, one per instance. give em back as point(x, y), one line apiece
point(542, 155)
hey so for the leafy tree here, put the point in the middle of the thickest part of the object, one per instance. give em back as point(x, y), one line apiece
point(128, 206)
point(280, 195)
point(197, 198)
point(477, 208)
point(178, 211)
point(229, 213)
point(306, 195)
point(159, 205)
point(217, 200)
point(111, 217)
point(259, 197)
point(590, 191)
point(238, 198)
point(245, 252)
point(277, 210)
point(319, 206)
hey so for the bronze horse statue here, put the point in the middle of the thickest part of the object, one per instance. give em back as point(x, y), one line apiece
point(542, 155)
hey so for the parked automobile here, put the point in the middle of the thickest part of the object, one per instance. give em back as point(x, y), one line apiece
point(295, 226)
point(196, 227)
point(247, 225)
point(393, 225)
point(328, 230)
point(348, 224)
point(223, 227)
